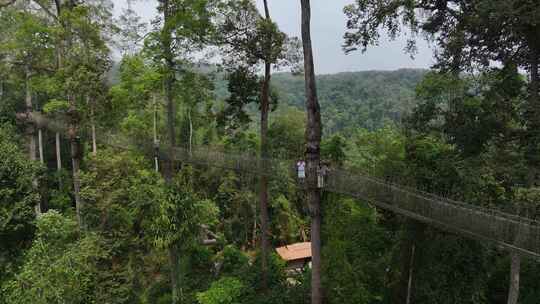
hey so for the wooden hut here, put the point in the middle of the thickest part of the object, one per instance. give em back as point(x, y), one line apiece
point(297, 256)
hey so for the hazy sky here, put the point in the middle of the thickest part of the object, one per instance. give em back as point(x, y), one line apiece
point(328, 27)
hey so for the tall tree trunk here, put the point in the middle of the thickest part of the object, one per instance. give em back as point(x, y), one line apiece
point(58, 152)
point(410, 275)
point(63, 51)
point(263, 195)
point(58, 158)
point(31, 130)
point(171, 121)
point(76, 155)
point(44, 204)
point(313, 143)
point(174, 261)
point(30, 127)
point(59, 65)
point(263, 188)
point(190, 131)
point(533, 139)
point(254, 230)
point(534, 104)
point(40, 146)
point(156, 145)
point(533, 162)
point(93, 126)
point(403, 290)
point(170, 77)
point(515, 268)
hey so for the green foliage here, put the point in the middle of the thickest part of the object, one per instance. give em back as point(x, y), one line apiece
point(288, 225)
point(466, 136)
point(121, 198)
point(29, 39)
point(55, 106)
point(286, 134)
point(251, 39)
point(455, 281)
point(333, 149)
point(234, 262)
point(17, 200)
point(470, 111)
point(180, 215)
point(224, 291)
point(243, 86)
point(236, 204)
point(120, 194)
point(381, 152)
point(434, 165)
point(350, 101)
point(137, 80)
point(356, 253)
point(59, 267)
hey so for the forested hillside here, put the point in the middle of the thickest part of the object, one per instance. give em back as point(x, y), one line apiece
point(355, 100)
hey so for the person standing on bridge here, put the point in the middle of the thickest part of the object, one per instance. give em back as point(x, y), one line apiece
point(322, 171)
point(301, 170)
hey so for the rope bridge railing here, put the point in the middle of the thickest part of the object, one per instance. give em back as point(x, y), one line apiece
point(505, 229)
point(508, 230)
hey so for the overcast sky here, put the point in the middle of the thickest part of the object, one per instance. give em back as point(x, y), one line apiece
point(328, 27)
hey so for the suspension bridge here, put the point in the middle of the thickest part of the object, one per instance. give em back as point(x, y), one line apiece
point(504, 229)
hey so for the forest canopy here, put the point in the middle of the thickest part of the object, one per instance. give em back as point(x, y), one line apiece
point(116, 183)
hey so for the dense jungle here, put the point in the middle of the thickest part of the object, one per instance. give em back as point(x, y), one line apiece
point(96, 206)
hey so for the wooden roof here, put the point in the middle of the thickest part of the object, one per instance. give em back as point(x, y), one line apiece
point(296, 251)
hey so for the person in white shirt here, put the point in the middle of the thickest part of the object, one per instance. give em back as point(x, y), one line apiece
point(301, 169)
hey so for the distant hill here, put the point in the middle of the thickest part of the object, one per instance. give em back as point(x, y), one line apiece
point(349, 100)
point(355, 99)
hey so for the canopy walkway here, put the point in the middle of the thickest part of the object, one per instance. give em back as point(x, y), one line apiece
point(504, 229)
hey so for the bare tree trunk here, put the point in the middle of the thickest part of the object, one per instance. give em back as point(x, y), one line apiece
point(171, 131)
point(43, 186)
point(30, 128)
point(534, 104)
point(93, 126)
point(58, 159)
point(313, 141)
point(411, 273)
point(170, 77)
point(533, 139)
point(59, 63)
point(76, 163)
point(58, 152)
point(190, 131)
point(40, 145)
point(31, 131)
point(76, 154)
point(156, 147)
point(254, 230)
point(263, 194)
point(533, 162)
point(174, 261)
point(403, 291)
point(515, 268)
